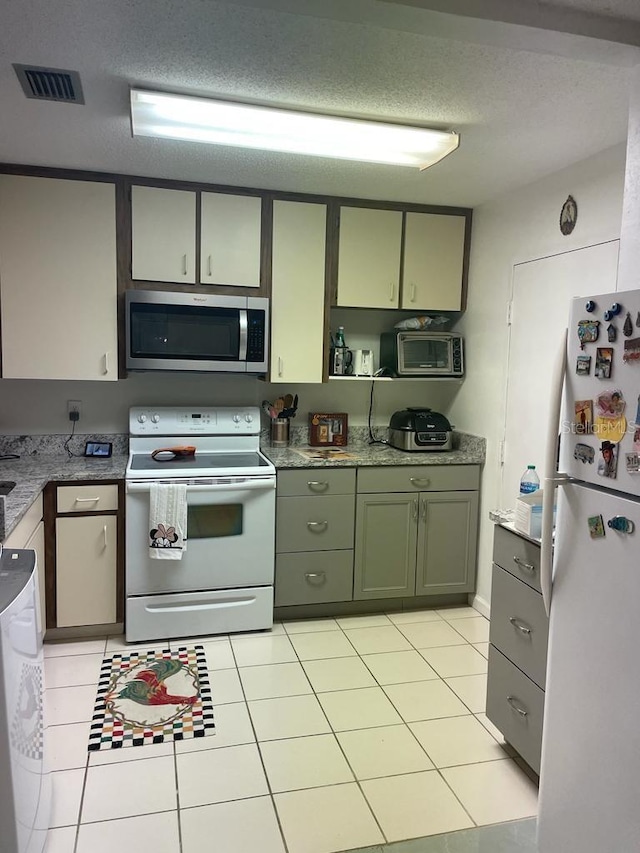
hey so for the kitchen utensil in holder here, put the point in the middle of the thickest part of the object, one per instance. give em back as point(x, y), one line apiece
point(279, 432)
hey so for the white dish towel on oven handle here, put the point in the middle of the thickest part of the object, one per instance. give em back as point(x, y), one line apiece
point(167, 521)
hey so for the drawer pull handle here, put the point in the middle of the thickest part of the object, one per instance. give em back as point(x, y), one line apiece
point(514, 704)
point(87, 500)
point(312, 576)
point(526, 566)
point(518, 624)
point(318, 484)
point(104, 532)
point(419, 481)
point(317, 526)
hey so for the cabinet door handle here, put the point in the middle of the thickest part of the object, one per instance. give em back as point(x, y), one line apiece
point(87, 500)
point(526, 566)
point(419, 481)
point(184, 265)
point(392, 292)
point(312, 576)
point(424, 509)
point(516, 707)
point(104, 532)
point(209, 273)
point(413, 292)
point(106, 363)
point(280, 366)
point(519, 625)
point(316, 485)
point(317, 526)
point(415, 508)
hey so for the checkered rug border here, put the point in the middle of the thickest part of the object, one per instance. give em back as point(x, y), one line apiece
point(197, 720)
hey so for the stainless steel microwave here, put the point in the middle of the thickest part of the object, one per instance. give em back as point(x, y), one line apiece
point(169, 330)
point(422, 353)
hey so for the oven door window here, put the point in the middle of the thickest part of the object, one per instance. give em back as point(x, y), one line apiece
point(213, 521)
point(184, 332)
point(422, 354)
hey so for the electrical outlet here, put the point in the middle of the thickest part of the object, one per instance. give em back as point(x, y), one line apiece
point(74, 409)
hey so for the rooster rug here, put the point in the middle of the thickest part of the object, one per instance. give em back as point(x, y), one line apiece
point(152, 697)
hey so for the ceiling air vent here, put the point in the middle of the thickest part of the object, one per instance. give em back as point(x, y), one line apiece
point(50, 84)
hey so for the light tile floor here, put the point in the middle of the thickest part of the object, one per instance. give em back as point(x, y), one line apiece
point(331, 734)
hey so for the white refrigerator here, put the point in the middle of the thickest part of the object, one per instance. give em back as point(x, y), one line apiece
point(590, 772)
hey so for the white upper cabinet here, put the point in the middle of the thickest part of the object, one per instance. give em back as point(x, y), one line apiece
point(369, 257)
point(230, 231)
point(433, 262)
point(58, 284)
point(163, 237)
point(297, 291)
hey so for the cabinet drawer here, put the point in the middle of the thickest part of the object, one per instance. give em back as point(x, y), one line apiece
point(419, 478)
point(516, 706)
point(316, 481)
point(314, 524)
point(518, 556)
point(519, 624)
point(314, 577)
point(87, 498)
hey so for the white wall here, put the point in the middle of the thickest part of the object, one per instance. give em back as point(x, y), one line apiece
point(520, 227)
point(39, 407)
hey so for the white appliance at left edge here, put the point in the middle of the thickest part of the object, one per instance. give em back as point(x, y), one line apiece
point(25, 793)
point(224, 580)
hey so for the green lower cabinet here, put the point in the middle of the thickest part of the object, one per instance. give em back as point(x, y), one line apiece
point(447, 537)
point(415, 544)
point(386, 539)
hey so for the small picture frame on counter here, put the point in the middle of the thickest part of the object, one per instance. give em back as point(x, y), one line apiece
point(328, 429)
point(98, 449)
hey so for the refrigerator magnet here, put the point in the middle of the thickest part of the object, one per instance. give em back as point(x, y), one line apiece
point(588, 331)
point(612, 333)
point(583, 453)
point(584, 416)
point(604, 362)
point(636, 438)
point(627, 329)
point(611, 430)
point(610, 404)
point(583, 365)
point(632, 461)
point(608, 464)
point(596, 527)
point(631, 350)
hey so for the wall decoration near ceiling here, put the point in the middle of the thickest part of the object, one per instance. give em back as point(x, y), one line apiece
point(568, 216)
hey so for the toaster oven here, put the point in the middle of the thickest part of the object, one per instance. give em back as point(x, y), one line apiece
point(422, 353)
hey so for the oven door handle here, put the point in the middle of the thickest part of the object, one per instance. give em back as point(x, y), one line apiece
point(249, 485)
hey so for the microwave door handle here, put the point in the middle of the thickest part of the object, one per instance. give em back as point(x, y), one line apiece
point(242, 355)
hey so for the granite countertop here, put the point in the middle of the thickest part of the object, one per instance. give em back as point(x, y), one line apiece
point(32, 474)
point(369, 455)
point(470, 450)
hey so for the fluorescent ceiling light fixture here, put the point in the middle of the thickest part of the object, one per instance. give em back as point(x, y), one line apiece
point(265, 128)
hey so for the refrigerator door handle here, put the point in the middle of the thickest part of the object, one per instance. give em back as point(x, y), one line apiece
point(552, 478)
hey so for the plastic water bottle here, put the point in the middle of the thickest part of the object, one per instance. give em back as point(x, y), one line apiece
point(340, 342)
point(529, 482)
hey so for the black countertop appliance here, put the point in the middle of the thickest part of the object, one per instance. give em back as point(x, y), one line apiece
point(416, 429)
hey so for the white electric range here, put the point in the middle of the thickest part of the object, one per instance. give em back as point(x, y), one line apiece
point(224, 580)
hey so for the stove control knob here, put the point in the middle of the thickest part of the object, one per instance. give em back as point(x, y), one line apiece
point(142, 419)
point(155, 419)
point(236, 419)
point(248, 418)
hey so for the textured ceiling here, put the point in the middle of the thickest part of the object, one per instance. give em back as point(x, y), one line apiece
point(625, 9)
point(520, 114)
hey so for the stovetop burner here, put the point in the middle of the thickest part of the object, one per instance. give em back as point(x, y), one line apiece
point(205, 462)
